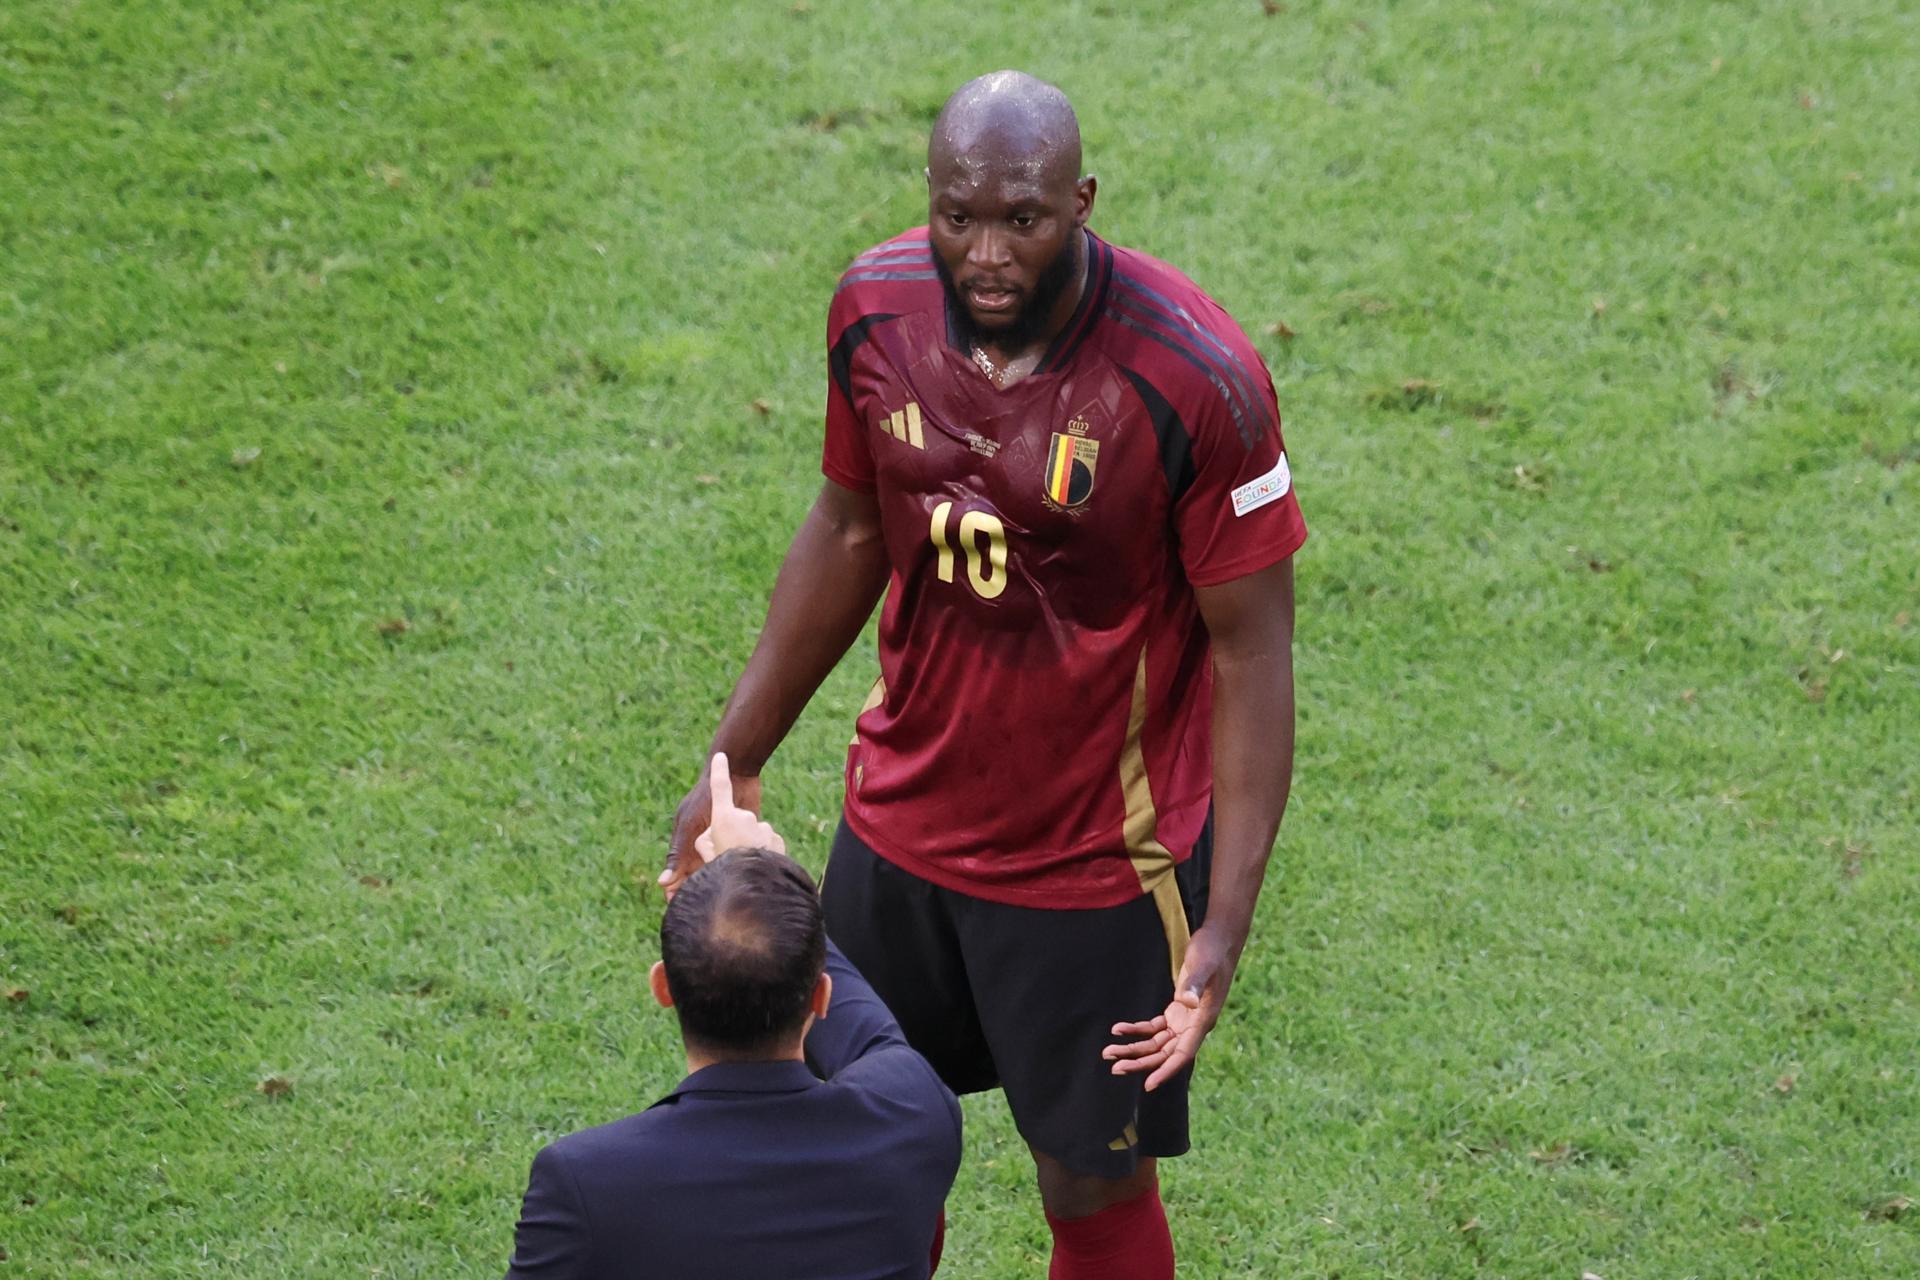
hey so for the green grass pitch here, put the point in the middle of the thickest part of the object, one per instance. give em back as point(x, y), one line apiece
point(403, 408)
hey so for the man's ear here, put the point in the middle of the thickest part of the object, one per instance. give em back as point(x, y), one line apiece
point(822, 996)
point(657, 979)
point(1083, 194)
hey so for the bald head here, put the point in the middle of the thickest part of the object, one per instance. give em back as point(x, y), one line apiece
point(1006, 121)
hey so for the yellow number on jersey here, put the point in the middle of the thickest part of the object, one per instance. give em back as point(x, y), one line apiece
point(986, 572)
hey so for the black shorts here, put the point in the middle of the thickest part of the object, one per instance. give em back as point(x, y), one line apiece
point(1025, 998)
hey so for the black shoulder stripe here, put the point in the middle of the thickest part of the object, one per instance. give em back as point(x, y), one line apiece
point(1157, 306)
point(1169, 323)
point(1246, 432)
point(840, 359)
point(866, 273)
point(920, 251)
point(1176, 444)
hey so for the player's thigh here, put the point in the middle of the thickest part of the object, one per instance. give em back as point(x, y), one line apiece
point(1049, 986)
point(897, 930)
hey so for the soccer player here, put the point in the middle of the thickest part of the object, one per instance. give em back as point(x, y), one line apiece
point(1062, 462)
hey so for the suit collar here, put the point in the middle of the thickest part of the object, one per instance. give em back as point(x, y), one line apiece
point(747, 1077)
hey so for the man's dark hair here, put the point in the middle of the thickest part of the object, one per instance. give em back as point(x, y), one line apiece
point(744, 944)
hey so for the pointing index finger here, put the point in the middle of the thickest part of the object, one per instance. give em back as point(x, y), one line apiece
point(720, 783)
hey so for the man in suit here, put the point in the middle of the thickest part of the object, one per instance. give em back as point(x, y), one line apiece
point(800, 1145)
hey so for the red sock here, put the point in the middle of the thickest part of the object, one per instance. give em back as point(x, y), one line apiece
point(939, 1242)
point(1125, 1241)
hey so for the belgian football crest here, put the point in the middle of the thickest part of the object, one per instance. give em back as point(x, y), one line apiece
point(1071, 459)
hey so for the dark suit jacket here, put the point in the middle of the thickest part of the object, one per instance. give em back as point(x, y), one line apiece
point(759, 1169)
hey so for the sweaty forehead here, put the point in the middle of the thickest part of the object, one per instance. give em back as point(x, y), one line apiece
point(991, 169)
point(985, 175)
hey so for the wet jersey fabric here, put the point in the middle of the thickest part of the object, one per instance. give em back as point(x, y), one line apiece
point(1041, 730)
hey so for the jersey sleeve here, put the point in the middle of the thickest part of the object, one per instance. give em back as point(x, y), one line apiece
point(1239, 514)
point(846, 456)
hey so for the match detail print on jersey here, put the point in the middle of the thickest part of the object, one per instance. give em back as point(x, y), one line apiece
point(1070, 463)
point(1261, 490)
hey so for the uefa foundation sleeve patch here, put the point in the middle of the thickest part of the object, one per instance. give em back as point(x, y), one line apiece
point(1261, 490)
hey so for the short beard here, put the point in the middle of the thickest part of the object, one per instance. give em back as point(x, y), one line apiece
point(1031, 320)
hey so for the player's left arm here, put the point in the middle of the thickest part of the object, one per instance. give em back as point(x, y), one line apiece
point(1250, 622)
point(1237, 523)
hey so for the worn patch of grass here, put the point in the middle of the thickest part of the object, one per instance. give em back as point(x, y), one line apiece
point(384, 510)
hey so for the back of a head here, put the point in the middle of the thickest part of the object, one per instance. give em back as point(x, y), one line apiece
point(744, 944)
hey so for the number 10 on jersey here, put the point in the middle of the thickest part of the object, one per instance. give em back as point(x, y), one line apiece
point(986, 567)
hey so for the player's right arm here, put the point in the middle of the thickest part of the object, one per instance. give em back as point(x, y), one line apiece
point(835, 570)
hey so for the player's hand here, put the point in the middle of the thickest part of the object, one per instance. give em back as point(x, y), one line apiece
point(732, 827)
point(697, 815)
point(1166, 1045)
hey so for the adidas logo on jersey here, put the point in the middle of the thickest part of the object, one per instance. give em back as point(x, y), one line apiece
point(904, 424)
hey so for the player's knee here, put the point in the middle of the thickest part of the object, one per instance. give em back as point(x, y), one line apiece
point(1067, 1193)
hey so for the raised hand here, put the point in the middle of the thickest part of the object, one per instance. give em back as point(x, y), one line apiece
point(732, 827)
point(697, 815)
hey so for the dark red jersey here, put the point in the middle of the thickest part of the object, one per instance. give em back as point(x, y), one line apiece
point(1040, 733)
